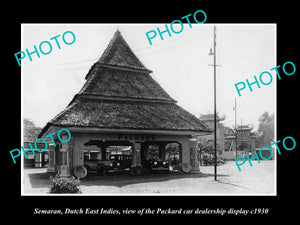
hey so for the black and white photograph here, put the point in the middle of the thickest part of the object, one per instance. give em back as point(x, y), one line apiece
point(136, 112)
point(149, 109)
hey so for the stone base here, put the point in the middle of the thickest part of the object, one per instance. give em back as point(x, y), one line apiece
point(195, 170)
point(64, 171)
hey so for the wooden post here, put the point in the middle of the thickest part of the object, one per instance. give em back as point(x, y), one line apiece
point(103, 151)
point(162, 151)
point(136, 156)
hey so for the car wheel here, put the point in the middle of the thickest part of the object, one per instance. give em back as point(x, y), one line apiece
point(99, 169)
point(80, 171)
point(104, 172)
point(149, 170)
point(186, 168)
point(138, 171)
point(145, 171)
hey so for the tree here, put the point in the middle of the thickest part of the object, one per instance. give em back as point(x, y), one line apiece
point(266, 130)
point(31, 132)
point(207, 150)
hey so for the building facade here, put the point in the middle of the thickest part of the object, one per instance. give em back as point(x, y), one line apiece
point(121, 105)
point(240, 142)
point(230, 143)
point(30, 134)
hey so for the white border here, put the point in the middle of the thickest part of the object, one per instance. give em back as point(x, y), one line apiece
point(150, 194)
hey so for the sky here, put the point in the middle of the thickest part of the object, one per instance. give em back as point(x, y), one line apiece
point(180, 64)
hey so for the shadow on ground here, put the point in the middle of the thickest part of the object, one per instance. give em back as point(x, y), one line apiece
point(41, 180)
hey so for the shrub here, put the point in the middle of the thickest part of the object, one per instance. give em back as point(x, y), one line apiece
point(64, 185)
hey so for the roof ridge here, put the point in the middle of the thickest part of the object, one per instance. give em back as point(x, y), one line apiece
point(100, 97)
point(119, 53)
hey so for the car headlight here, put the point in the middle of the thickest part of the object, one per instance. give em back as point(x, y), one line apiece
point(110, 164)
point(118, 164)
point(164, 163)
point(155, 163)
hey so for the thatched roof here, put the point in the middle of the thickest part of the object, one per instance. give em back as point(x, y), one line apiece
point(119, 54)
point(120, 94)
point(85, 112)
point(109, 82)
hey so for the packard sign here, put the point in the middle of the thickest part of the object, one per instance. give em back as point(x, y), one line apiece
point(137, 137)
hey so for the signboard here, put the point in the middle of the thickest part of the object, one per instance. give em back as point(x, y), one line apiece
point(137, 137)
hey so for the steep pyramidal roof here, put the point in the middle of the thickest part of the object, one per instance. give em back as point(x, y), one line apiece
point(118, 53)
point(111, 82)
point(119, 73)
point(119, 93)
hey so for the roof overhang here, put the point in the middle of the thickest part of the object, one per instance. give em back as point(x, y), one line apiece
point(55, 128)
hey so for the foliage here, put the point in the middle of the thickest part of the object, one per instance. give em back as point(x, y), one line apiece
point(207, 146)
point(64, 185)
point(266, 129)
point(172, 150)
point(207, 151)
point(153, 152)
point(30, 130)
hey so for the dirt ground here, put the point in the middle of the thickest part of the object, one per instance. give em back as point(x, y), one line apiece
point(257, 180)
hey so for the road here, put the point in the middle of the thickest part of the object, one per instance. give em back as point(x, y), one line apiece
point(260, 179)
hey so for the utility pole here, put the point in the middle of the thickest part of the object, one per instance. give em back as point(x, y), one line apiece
point(242, 138)
point(215, 103)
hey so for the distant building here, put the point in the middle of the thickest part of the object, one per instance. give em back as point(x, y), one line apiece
point(227, 147)
point(239, 143)
point(39, 159)
point(208, 120)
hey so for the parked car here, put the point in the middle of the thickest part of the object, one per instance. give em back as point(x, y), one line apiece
point(174, 164)
point(121, 162)
point(116, 163)
point(97, 165)
point(155, 165)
